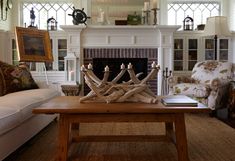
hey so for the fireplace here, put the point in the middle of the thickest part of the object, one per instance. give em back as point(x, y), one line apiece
point(154, 42)
point(141, 58)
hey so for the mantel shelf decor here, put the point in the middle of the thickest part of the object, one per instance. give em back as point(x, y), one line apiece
point(134, 90)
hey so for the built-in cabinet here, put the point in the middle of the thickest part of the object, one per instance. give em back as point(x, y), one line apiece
point(191, 47)
point(185, 53)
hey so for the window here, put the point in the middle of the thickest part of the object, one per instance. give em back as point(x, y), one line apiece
point(199, 11)
point(43, 11)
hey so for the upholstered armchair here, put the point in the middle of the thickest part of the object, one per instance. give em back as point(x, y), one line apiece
point(208, 83)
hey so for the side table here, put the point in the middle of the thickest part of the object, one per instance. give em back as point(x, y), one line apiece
point(71, 90)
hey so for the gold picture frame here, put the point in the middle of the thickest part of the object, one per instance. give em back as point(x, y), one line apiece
point(33, 45)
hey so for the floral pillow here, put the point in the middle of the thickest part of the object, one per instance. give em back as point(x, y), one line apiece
point(15, 79)
point(191, 89)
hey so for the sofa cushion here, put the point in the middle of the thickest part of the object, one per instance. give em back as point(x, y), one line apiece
point(25, 101)
point(14, 79)
point(9, 119)
point(191, 89)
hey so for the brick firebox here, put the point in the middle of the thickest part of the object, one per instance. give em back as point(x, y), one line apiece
point(150, 53)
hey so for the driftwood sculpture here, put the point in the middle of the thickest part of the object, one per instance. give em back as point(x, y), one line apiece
point(134, 90)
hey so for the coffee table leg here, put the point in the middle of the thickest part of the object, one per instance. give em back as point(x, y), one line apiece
point(181, 138)
point(63, 139)
point(170, 131)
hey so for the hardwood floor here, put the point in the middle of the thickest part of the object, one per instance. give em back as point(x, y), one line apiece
point(208, 140)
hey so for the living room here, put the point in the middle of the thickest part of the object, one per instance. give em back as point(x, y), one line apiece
point(193, 42)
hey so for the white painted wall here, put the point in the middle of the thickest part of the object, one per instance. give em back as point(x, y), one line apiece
point(6, 25)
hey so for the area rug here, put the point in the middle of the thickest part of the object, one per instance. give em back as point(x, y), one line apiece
point(208, 140)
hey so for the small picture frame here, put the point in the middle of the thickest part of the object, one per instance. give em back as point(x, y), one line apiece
point(33, 45)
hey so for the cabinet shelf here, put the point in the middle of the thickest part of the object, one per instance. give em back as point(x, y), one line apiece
point(62, 49)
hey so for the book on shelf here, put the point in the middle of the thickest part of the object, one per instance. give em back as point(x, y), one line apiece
point(179, 100)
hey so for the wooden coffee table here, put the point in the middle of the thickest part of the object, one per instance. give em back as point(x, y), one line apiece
point(71, 111)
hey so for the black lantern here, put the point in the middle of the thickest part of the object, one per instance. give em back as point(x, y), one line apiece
point(51, 24)
point(188, 23)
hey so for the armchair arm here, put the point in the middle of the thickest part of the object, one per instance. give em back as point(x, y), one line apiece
point(215, 84)
point(218, 95)
point(173, 80)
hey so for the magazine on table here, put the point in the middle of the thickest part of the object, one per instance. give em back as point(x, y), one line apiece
point(179, 100)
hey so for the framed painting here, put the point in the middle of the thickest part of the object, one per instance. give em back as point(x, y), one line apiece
point(33, 45)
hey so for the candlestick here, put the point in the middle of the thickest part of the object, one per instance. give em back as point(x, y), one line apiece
point(106, 69)
point(102, 16)
point(123, 66)
point(143, 12)
point(147, 17)
point(155, 15)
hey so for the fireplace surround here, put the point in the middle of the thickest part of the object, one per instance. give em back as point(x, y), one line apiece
point(159, 38)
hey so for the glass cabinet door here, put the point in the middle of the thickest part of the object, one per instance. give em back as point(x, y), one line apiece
point(178, 54)
point(209, 49)
point(62, 52)
point(192, 53)
point(223, 49)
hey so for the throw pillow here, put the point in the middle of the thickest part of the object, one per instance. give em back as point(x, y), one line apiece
point(15, 79)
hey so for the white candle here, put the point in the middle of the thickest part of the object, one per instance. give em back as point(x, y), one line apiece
point(83, 68)
point(122, 66)
point(155, 4)
point(146, 6)
point(89, 66)
point(154, 64)
point(106, 69)
point(129, 66)
point(71, 75)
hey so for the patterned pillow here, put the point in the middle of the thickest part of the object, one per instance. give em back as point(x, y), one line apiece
point(191, 89)
point(15, 79)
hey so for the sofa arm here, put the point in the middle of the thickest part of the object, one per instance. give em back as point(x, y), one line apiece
point(42, 84)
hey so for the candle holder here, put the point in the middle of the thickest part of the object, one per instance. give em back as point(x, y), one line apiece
point(147, 14)
point(155, 15)
point(70, 67)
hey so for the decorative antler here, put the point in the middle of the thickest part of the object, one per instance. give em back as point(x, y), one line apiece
point(131, 91)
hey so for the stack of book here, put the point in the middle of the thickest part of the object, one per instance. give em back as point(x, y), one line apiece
point(179, 100)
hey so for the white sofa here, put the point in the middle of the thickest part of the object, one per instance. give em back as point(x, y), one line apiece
point(17, 123)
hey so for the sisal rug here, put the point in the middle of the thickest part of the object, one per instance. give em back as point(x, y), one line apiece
point(208, 140)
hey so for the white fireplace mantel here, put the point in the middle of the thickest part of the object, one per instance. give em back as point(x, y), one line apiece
point(158, 36)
